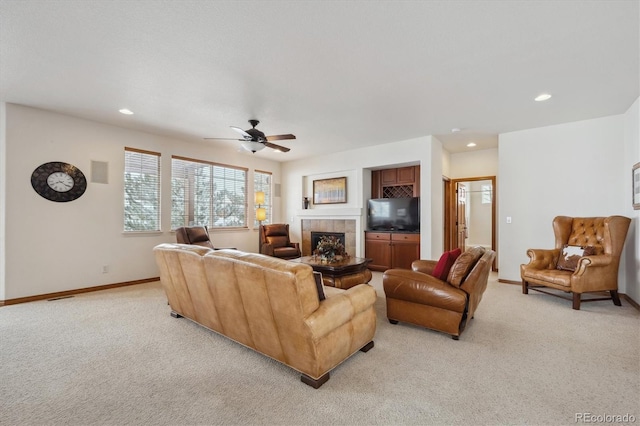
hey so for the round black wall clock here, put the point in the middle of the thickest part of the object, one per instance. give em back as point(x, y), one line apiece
point(57, 181)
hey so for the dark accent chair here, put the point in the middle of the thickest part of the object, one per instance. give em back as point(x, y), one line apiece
point(274, 241)
point(195, 235)
point(593, 271)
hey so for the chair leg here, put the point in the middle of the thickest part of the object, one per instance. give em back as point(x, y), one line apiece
point(367, 347)
point(314, 383)
point(615, 298)
point(525, 287)
point(576, 301)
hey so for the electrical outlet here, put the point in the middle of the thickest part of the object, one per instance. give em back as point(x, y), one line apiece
point(508, 219)
point(105, 269)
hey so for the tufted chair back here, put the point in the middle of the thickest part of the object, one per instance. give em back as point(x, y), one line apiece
point(606, 234)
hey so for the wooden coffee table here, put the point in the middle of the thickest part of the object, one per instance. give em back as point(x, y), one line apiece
point(341, 274)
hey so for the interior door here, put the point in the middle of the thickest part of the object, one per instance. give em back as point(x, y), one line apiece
point(461, 215)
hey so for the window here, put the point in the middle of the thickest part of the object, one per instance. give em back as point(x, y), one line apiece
point(209, 194)
point(262, 182)
point(141, 190)
point(486, 194)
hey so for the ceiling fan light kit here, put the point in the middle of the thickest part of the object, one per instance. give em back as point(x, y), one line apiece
point(254, 140)
point(253, 146)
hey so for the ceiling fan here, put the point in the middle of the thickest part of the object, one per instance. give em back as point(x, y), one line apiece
point(254, 140)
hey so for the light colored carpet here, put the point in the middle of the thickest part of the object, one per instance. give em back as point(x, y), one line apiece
point(117, 357)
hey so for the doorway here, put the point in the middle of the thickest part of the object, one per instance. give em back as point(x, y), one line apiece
point(470, 213)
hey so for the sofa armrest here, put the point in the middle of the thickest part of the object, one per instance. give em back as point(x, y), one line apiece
point(424, 266)
point(587, 262)
point(295, 245)
point(542, 259)
point(338, 310)
point(417, 287)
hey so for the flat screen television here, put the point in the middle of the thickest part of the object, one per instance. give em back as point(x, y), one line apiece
point(394, 214)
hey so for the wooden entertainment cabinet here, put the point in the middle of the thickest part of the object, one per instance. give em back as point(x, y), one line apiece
point(393, 249)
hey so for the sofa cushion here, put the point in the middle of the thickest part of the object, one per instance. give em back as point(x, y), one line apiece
point(319, 285)
point(570, 255)
point(463, 265)
point(441, 271)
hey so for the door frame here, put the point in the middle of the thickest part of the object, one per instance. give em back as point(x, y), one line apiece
point(450, 202)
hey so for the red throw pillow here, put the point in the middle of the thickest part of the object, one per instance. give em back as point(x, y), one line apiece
point(445, 263)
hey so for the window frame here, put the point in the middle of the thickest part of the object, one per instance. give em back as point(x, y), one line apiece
point(140, 192)
point(191, 200)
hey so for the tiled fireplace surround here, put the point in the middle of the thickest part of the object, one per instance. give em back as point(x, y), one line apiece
point(348, 226)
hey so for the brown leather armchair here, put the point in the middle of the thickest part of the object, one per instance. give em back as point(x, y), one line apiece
point(274, 241)
point(416, 297)
point(594, 271)
point(195, 235)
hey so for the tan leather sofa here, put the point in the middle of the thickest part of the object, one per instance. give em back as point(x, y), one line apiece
point(593, 272)
point(416, 297)
point(270, 305)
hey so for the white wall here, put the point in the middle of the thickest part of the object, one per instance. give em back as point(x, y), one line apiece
point(51, 247)
point(3, 200)
point(477, 163)
point(631, 156)
point(483, 162)
point(355, 164)
point(572, 169)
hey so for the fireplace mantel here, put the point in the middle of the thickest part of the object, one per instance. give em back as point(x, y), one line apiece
point(353, 211)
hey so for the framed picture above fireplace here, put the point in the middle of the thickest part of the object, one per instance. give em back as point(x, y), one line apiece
point(330, 191)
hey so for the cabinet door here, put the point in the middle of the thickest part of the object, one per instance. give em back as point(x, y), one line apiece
point(388, 177)
point(405, 248)
point(406, 175)
point(377, 246)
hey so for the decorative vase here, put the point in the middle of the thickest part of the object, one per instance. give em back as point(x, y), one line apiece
point(306, 203)
point(327, 257)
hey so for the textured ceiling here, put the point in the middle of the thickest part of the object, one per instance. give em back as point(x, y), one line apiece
point(338, 75)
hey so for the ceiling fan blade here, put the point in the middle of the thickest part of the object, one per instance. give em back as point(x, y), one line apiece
point(244, 134)
point(277, 147)
point(280, 137)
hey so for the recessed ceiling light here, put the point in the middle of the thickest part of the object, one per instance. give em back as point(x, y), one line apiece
point(126, 111)
point(454, 130)
point(542, 97)
point(471, 144)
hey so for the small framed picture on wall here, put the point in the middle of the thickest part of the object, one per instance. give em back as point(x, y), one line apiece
point(636, 186)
